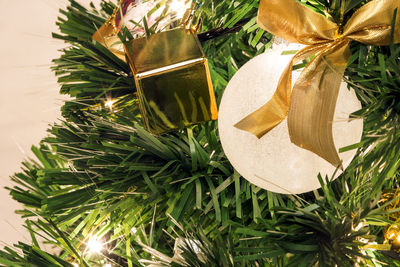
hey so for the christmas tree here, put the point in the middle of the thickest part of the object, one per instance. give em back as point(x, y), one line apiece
point(106, 192)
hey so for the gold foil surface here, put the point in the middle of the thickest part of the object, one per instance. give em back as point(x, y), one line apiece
point(173, 81)
point(107, 34)
point(392, 231)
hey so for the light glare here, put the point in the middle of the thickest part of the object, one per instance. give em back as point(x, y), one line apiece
point(179, 7)
point(109, 104)
point(95, 246)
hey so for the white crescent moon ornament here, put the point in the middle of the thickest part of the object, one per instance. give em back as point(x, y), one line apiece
point(273, 162)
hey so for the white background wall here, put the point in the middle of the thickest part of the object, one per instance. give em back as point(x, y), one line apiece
point(29, 99)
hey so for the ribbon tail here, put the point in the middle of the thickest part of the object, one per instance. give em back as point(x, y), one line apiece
point(276, 109)
point(273, 112)
point(313, 102)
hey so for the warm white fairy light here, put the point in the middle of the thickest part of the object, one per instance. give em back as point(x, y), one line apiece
point(179, 7)
point(75, 264)
point(109, 104)
point(95, 246)
point(107, 265)
point(133, 230)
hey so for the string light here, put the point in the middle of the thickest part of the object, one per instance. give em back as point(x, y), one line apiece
point(109, 104)
point(94, 245)
point(107, 265)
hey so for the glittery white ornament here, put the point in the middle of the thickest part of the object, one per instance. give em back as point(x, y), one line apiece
point(273, 162)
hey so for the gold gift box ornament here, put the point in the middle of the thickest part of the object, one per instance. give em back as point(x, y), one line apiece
point(172, 79)
point(171, 74)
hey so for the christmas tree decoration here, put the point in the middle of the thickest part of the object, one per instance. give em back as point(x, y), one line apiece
point(273, 162)
point(392, 236)
point(311, 105)
point(172, 80)
point(107, 33)
point(170, 69)
point(392, 201)
point(105, 192)
point(392, 231)
point(136, 15)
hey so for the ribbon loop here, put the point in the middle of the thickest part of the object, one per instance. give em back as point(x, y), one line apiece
point(311, 105)
point(277, 108)
point(294, 22)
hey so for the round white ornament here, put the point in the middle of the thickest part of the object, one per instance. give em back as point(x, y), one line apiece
point(273, 162)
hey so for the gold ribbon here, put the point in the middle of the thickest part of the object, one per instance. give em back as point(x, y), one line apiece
point(107, 35)
point(311, 105)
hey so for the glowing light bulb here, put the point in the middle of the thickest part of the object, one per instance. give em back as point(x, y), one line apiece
point(109, 104)
point(75, 264)
point(179, 7)
point(95, 246)
point(133, 230)
point(107, 265)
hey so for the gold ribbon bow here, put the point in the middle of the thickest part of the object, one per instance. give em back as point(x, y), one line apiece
point(311, 105)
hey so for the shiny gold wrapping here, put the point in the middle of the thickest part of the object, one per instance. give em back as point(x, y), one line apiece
point(107, 35)
point(311, 105)
point(172, 79)
point(392, 232)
